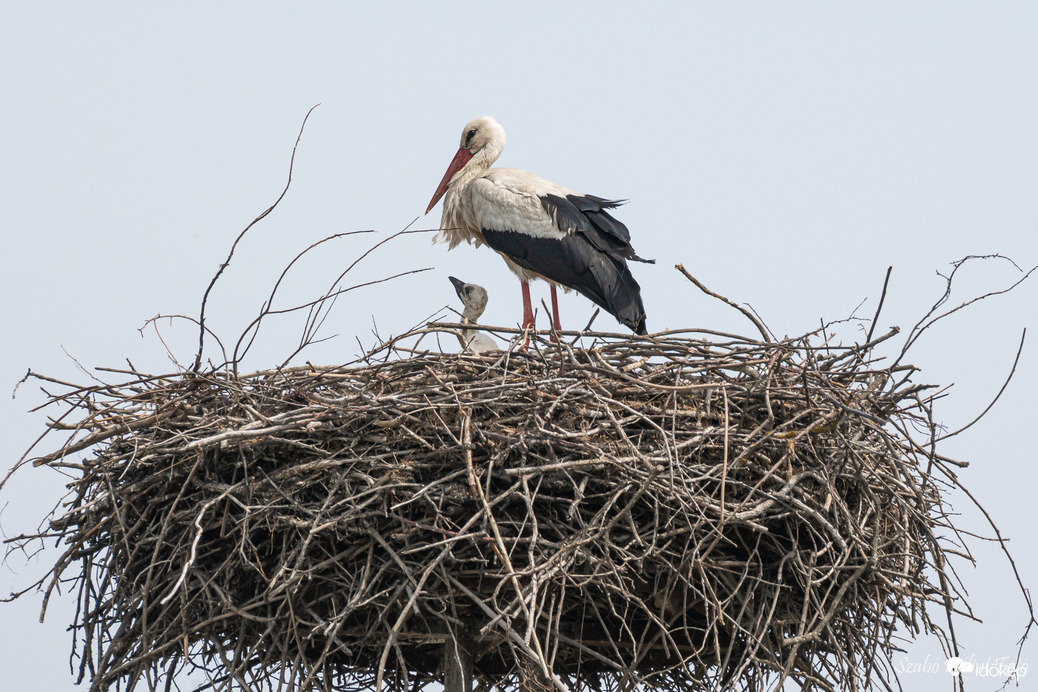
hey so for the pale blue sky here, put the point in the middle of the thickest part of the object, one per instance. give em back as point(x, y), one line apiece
point(785, 153)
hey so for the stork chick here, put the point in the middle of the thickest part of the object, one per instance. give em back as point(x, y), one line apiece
point(474, 298)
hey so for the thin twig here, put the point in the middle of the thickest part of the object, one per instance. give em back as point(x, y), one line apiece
point(226, 263)
point(749, 315)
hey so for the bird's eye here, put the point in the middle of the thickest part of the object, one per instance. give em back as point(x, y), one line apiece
point(469, 136)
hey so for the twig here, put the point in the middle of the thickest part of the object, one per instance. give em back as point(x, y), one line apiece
point(749, 315)
point(879, 308)
point(226, 263)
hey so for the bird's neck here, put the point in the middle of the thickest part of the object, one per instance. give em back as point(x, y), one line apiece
point(465, 335)
point(480, 162)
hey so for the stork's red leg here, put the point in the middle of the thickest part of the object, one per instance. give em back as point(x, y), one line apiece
point(528, 322)
point(555, 309)
point(527, 307)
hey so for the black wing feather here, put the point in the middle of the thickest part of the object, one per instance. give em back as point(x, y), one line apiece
point(586, 214)
point(593, 207)
point(574, 262)
point(591, 258)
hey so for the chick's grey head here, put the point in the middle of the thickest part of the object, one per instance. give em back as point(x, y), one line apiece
point(473, 297)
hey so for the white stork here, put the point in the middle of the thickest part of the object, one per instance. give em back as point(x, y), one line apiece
point(474, 298)
point(543, 230)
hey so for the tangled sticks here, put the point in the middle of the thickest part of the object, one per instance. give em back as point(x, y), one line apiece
point(673, 512)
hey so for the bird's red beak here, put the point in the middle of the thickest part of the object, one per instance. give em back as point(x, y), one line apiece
point(460, 159)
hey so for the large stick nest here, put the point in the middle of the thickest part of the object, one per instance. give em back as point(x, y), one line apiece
point(681, 513)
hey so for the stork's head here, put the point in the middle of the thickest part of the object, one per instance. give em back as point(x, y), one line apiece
point(482, 132)
point(482, 141)
point(473, 296)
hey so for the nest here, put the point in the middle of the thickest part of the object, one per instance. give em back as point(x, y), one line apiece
point(665, 511)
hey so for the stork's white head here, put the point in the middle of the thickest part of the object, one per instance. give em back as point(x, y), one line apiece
point(482, 133)
point(482, 142)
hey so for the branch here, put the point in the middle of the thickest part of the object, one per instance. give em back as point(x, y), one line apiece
point(227, 262)
point(749, 315)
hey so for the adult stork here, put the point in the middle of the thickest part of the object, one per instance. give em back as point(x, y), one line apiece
point(543, 230)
